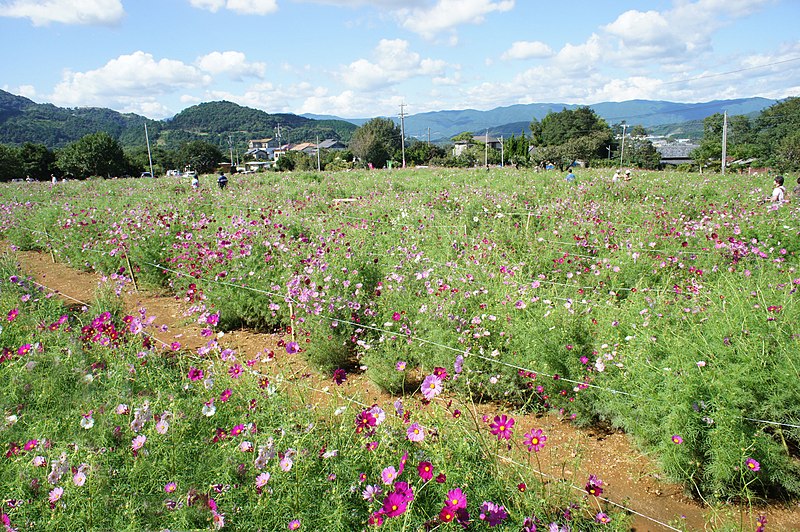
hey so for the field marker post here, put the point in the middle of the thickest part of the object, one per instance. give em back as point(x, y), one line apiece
point(50, 246)
point(528, 223)
point(291, 314)
point(130, 269)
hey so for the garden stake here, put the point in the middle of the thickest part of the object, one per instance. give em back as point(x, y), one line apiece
point(130, 269)
point(50, 246)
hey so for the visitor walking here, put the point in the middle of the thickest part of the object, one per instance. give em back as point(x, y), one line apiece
point(222, 181)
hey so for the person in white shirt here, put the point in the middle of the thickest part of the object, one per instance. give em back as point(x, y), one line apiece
point(779, 192)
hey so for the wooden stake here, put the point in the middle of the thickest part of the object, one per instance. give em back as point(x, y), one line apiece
point(130, 269)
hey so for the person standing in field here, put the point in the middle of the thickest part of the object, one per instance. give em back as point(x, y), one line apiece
point(570, 177)
point(222, 180)
point(195, 182)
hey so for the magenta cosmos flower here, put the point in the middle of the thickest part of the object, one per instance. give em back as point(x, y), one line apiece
point(292, 348)
point(534, 440)
point(456, 499)
point(752, 464)
point(501, 427)
point(677, 440)
point(425, 470)
point(394, 504)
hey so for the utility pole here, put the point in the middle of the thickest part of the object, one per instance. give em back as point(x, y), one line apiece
point(622, 151)
point(724, 140)
point(486, 150)
point(149, 156)
point(502, 151)
point(230, 145)
point(403, 132)
point(318, 165)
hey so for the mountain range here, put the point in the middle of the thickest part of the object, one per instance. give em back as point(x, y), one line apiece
point(226, 124)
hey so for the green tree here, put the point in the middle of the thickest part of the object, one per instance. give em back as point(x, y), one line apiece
point(465, 136)
point(376, 142)
point(96, 154)
point(200, 156)
point(10, 163)
point(37, 161)
point(295, 160)
point(570, 135)
point(773, 127)
point(422, 153)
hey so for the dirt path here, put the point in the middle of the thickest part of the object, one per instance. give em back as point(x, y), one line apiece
point(631, 479)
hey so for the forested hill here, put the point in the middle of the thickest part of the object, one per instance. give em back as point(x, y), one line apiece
point(22, 120)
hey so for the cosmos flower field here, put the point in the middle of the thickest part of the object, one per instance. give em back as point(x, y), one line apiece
point(665, 306)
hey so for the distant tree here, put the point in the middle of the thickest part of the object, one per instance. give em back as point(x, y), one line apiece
point(295, 160)
point(570, 135)
point(10, 163)
point(558, 128)
point(37, 161)
point(773, 127)
point(376, 142)
point(422, 153)
point(464, 136)
point(518, 150)
point(97, 154)
point(787, 153)
point(200, 156)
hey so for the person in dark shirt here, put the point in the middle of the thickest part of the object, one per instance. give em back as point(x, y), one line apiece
point(222, 181)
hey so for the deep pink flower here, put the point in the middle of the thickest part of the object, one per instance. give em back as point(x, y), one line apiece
point(501, 427)
point(456, 499)
point(235, 371)
point(339, 376)
point(594, 486)
point(677, 440)
point(292, 348)
point(752, 464)
point(425, 470)
point(195, 374)
point(394, 504)
point(12, 314)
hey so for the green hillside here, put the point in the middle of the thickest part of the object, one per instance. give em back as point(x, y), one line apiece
point(22, 120)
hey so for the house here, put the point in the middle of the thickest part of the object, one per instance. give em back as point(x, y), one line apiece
point(308, 148)
point(675, 154)
point(259, 143)
point(480, 140)
point(332, 144)
point(261, 154)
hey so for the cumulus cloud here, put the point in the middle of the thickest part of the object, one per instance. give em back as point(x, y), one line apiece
point(395, 62)
point(233, 64)
point(86, 12)
point(243, 7)
point(527, 50)
point(429, 21)
point(126, 80)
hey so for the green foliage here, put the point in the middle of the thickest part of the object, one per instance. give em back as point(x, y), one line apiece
point(37, 161)
point(200, 156)
point(10, 163)
point(97, 154)
point(376, 142)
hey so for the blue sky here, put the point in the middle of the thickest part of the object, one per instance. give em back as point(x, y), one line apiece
point(360, 58)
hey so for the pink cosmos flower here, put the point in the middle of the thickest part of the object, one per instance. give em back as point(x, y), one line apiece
point(394, 504)
point(388, 475)
point(431, 387)
point(534, 440)
point(195, 374)
point(55, 494)
point(292, 348)
point(138, 442)
point(262, 479)
point(415, 432)
point(235, 371)
point(677, 440)
point(170, 487)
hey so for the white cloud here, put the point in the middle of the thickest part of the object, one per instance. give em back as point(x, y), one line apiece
point(394, 63)
point(87, 12)
point(243, 7)
point(527, 50)
point(126, 80)
point(428, 21)
point(233, 64)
